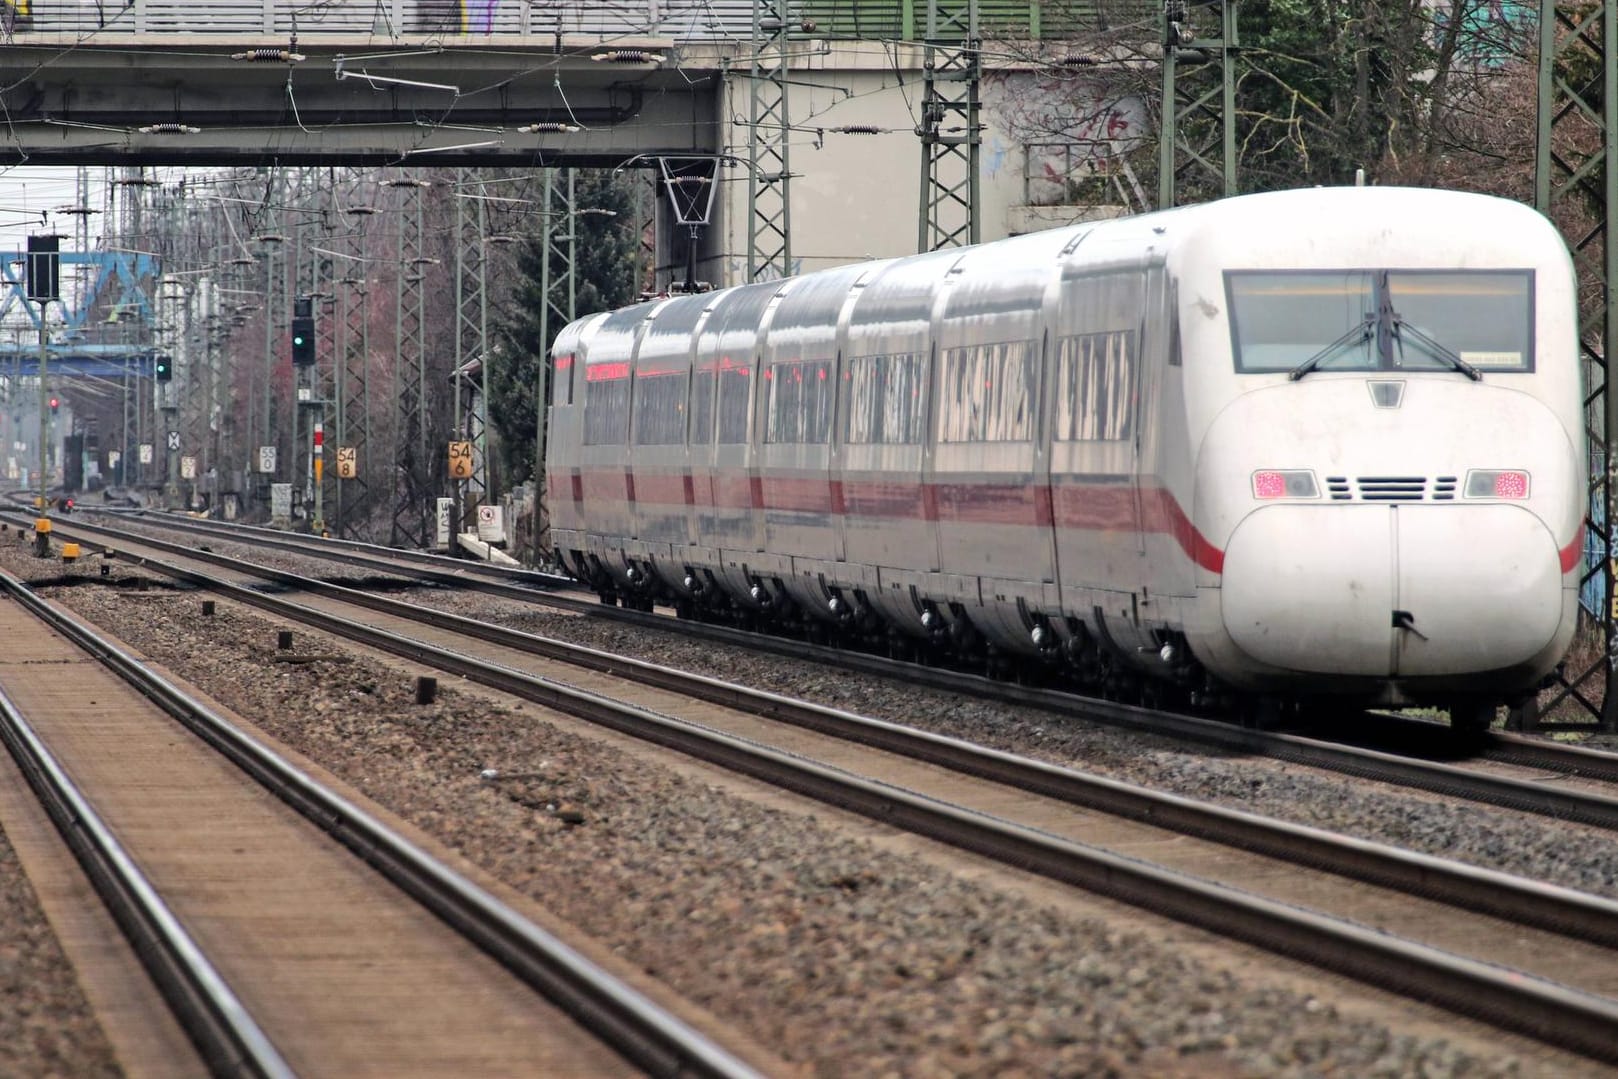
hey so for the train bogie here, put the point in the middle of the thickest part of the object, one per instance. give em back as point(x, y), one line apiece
point(1322, 442)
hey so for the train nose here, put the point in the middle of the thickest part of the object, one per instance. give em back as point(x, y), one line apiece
point(1392, 590)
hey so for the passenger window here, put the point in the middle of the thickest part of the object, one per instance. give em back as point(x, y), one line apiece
point(660, 408)
point(702, 391)
point(1096, 375)
point(734, 397)
point(886, 399)
point(801, 395)
point(986, 393)
point(606, 404)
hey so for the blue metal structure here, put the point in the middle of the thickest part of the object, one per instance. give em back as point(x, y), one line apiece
point(118, 278)
point(68, 359)
point(126, 269)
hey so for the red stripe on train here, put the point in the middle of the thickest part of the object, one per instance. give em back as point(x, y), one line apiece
point(1102, 507)
point(1573, 553)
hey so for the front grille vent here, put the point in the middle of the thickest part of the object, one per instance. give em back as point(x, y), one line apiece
point(1390, 489)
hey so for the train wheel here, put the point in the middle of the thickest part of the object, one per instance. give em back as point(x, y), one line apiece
point(1261, 713)
point(1471, 718)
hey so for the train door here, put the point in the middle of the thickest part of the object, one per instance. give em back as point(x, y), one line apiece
point(1147, 365)
point(563, 495)
point(1164, 456)
point(660, 372)
point(1096, 439)
point(798, 391)
point(660, 470)
point(732, 523)
point(888, 528)
point(606, 490)
point(993, 508)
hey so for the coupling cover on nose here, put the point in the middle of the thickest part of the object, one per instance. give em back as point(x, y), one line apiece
point(1386, 394)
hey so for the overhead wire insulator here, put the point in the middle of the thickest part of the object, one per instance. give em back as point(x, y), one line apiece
point(627, 56)
point(261, 56)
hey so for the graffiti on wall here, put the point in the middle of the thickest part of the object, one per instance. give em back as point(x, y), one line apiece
point(1067, 135)
point(454, 16)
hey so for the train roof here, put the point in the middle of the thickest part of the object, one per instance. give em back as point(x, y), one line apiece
point(1342, 225)
point(1345, 226)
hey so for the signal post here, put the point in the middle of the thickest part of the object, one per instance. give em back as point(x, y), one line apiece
point(303, 356)
point(43, 270)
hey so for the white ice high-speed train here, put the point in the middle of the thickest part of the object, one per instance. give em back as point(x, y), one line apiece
point(1322, 442)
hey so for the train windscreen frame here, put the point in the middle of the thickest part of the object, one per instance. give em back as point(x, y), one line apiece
point(1381, 320)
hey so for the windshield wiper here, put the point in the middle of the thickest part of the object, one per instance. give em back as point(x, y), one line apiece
point(1362, 333)
point(1433, 349)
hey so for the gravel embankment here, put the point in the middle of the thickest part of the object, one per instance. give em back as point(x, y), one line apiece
point(839, 956)
point(46, 1026)
point(1568, 854)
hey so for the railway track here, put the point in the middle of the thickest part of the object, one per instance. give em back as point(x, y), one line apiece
point(1243, 876)
point(158, 819)
point(1512, 771)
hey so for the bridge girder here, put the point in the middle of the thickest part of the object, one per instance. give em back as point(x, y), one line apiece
point(351, 100)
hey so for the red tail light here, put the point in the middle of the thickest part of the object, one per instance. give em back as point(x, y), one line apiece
point(1276, 483)
point(1497, 483)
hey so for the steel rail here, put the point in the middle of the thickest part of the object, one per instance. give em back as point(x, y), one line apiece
point(521, 584)
point(1503, 895)
point(626, 1020)
point(1366, 763)
point(432, 566)
point(219, 1025)
point(1510, 999)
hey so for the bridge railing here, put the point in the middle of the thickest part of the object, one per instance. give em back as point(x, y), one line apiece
point(682, 19)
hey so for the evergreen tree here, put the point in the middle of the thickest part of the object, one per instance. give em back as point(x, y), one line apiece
point(604, 267)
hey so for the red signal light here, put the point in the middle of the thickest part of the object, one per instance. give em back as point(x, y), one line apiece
point(54, 404)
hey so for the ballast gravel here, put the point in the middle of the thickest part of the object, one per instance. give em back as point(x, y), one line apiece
point(842, 958)
point(46, 1027)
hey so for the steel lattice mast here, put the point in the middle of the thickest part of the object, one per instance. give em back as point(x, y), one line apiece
point(471, 349)
point(277, 300)
point(352, 402)
point(560, 291)
point(412, 508)
point(1198, 131)
point(949, 127)
point(1576, 184)
point(769, 204)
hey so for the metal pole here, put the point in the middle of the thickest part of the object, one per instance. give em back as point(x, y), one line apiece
point(541, 389)
point(491, 489)
point(44, 416)
point(1170, 122)
point(1609, 329)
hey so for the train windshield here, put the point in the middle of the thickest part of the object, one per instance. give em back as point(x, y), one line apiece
point(1382, 320)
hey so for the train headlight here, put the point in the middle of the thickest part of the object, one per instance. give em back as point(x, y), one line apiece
point(1497, 483)
point(1291, 483)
